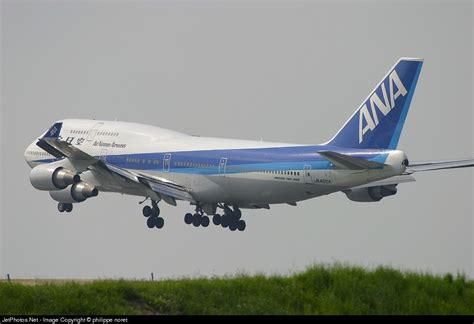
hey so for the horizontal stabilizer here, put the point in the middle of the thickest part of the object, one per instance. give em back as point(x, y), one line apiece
point(345, 161)
point(439, 165)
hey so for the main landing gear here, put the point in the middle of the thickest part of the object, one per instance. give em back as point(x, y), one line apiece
point(230, 219)
point(153, 213)
point(198, 219)
point(65, 207)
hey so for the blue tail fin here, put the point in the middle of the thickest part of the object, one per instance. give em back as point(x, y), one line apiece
point(378, 122)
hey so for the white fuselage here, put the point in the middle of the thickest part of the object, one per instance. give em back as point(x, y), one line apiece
point(249, 174)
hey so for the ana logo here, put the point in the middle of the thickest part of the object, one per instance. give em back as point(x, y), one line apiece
point(53, 131)
point(371, 120)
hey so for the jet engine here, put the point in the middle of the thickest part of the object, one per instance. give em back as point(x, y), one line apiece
point(371, 194)
point(52, 177)
point(75, 193)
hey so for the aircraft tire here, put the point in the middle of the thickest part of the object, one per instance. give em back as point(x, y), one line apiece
point(241, 225)
point(225, 221)
point(160, 222)
point(61, 207)
point(233, 226)
point(217, 219)
point(188, 218)
point(196, 220)
point(69, 208)
point(151, 222)
point(147, 211)
point(205, 221)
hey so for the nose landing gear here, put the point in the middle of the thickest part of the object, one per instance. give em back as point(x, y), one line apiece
point(65, 207)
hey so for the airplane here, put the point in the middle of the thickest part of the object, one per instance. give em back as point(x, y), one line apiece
point(75, 159)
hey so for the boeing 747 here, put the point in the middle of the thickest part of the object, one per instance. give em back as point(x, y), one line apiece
point(75, 160)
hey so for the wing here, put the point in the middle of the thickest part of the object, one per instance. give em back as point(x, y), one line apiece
point(79, 159)
point(164, 188)
point(439, 165)
point(349, 162)
point(167, 189)
point(418, 167)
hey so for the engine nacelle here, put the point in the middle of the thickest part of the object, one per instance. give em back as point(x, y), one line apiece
point(371, 194)
point(75, 193)
point(52, 177)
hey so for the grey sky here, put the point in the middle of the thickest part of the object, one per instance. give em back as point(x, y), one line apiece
point(281, 71)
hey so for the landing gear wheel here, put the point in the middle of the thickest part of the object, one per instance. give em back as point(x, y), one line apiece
point(188, 218)
point(225, 221)
point(62, 207)
point(156, 211)
point(233, 226)
point(151, 222)
point(241, 225)
point(147, 211)
point(68, 208)
point(205, 221)
point(160, 222)
point(196, 220)
point(217, 219)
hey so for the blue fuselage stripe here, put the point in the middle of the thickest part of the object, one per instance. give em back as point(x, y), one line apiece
point(238, 160)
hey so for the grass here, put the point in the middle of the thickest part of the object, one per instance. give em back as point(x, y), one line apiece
point(318, 290)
